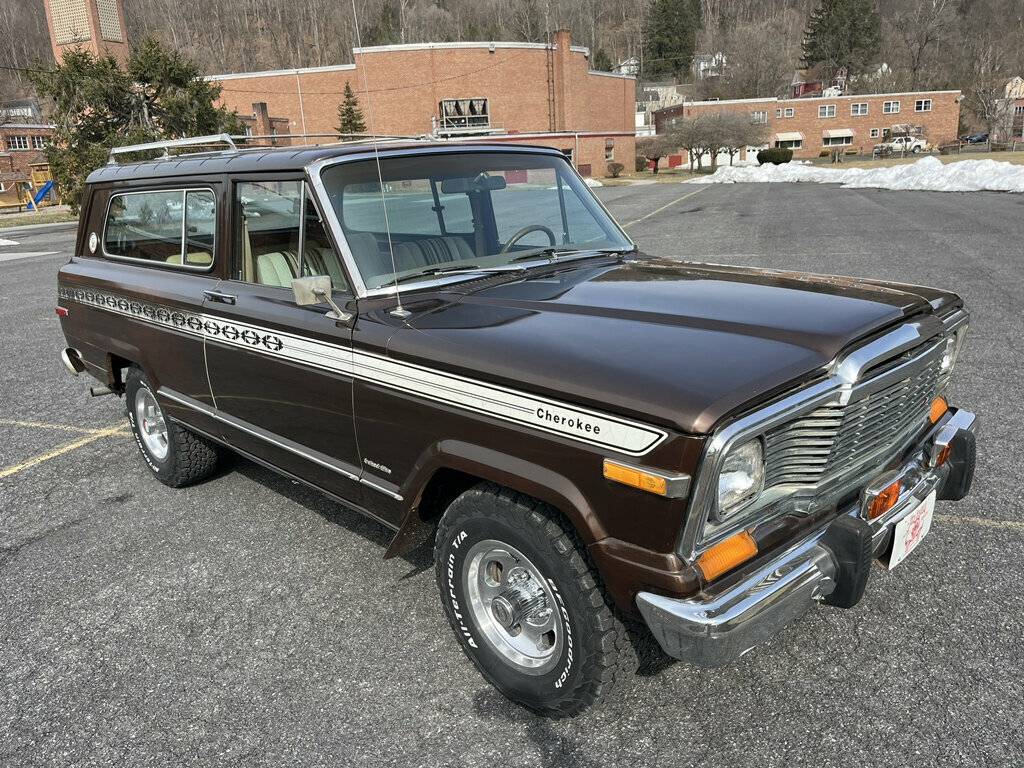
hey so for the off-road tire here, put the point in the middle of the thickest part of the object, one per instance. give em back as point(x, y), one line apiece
point(190, 458)
point(600, 656)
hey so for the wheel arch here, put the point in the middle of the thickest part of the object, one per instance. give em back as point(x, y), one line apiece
point(454, 466)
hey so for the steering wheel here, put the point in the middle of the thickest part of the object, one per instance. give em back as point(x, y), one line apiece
point(524, 232)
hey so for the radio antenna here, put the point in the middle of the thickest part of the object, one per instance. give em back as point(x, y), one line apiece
point(399, 310)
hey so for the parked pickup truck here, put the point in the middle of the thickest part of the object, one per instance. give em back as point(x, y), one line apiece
point(460, 342)
point(903, 144)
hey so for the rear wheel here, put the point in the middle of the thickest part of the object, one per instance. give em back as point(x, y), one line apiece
point(526, 606)
point(173, 454)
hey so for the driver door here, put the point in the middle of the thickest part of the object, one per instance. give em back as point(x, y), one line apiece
point(280, 373)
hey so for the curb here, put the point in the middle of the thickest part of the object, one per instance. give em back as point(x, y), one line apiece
point(29, 228)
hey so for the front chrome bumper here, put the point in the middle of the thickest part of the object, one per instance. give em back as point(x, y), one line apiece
point(734, 615)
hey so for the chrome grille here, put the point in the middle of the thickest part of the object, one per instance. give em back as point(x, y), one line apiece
point(834, 440)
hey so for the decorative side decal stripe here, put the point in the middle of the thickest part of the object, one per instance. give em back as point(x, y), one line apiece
point(584, 425)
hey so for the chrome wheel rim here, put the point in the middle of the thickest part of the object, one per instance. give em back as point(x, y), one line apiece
point(149, 420)
point(513, 605)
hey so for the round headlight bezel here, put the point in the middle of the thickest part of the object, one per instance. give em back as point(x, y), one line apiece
point(752, 452)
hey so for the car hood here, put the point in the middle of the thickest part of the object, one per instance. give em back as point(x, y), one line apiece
point(674, 343)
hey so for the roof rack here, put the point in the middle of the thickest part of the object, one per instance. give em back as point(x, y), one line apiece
point(166, 146)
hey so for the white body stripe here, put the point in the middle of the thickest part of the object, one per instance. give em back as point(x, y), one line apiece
point(540, 413)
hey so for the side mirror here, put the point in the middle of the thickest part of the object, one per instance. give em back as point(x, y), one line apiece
point(311, 290)
point(316, 289)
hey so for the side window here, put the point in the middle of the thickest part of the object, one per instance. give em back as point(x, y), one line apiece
point(272, 218)
point(267, 231)
point(145, 225)
point(200, 227)
point(318, 255)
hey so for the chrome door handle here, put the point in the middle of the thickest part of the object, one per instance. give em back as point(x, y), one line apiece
point(223, 298)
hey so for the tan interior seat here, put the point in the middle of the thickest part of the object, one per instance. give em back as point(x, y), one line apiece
point(276, 268)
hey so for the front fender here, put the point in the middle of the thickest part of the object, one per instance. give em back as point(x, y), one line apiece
point(497, 467)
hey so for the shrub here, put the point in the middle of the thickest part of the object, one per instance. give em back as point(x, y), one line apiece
point(774, 156)
point(642, 163)
point(615, 169)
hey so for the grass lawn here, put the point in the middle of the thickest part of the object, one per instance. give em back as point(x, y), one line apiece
point(42, 217)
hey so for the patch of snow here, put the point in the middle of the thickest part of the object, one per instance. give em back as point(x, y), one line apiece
point(927, 174)
point(592, 182)
point(7, 242)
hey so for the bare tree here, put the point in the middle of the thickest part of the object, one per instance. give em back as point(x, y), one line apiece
point(653, 148)
point(920, 29)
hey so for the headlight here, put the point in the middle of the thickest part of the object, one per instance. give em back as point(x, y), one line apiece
point(741, 479)
point(953, 345)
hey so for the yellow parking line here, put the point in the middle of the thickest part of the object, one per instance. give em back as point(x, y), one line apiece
point(45, 425)
point(666, 205)
point(117, 431)
point(1013, 525)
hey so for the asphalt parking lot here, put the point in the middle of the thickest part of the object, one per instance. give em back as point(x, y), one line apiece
point(249, 621)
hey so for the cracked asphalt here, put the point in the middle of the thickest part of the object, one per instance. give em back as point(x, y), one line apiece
point(249, 621)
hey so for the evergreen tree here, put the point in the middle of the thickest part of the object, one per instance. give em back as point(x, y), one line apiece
point(843, 33)
point(671, 37)
point(350, 117)
point(159, 94)
point(601, 61)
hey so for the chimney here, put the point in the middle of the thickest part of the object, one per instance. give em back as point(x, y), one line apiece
point(562, 42)
point(261, 115)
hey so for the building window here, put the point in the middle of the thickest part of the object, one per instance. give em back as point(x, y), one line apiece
point(789, 144)
point(17, 142)
point(464, 114)
point(923, 105)
point(827, 110)
point(759, 118)
point(609, 150)
point(778, 113)
point(874, 133)
point(1019, 109)
point(859, 108)
point(837, 141)
point(38, 142)
point(890, 107)
point(788, 112)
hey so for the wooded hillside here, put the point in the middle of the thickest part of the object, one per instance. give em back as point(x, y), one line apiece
point(924, 43)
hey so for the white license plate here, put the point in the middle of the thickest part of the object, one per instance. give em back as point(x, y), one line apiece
point(911, 530)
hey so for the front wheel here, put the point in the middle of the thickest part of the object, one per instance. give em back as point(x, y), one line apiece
point(173, 454)
point(525, 605)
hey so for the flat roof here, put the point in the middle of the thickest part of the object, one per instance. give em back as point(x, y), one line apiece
point(283, 159)
point(805, 99)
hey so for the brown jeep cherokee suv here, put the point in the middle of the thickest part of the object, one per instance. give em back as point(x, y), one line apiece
point(460, 342)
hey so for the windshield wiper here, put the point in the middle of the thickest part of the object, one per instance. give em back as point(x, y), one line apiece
point(547, 251)
point(468, 269)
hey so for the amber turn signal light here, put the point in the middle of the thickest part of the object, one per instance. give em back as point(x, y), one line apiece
point(635, 478)
point(884, 501)
point(726, 555)
point(939, 408)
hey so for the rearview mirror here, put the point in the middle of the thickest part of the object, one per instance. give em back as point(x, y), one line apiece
point(316, 289)
point(479, 183)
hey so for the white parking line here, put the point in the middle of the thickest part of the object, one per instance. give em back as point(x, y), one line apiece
point(25, 255)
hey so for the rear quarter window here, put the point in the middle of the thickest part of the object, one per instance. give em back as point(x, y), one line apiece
point(172, 227)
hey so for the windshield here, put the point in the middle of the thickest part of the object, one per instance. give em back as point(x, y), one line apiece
point(470, 211)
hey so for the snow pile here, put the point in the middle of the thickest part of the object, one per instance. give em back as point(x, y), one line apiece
point(928, 174)
point(592, 182)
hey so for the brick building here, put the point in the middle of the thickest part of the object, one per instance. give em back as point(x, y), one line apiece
point(23, 137)
point(813, 126)
point(511, 92)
